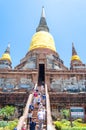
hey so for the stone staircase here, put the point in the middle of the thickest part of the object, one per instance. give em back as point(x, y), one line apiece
point(35, 111)
point(48, 125)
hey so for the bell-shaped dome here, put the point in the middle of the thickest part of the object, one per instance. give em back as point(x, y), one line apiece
point(75, 57)
point(6, 56)
point(42, 39)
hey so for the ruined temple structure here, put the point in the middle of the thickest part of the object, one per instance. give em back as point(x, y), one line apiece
point(43, 65)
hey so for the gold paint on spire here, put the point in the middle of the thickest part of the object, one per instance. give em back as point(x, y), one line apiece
point(6, 56)
point(75, 57)
point(42, 39)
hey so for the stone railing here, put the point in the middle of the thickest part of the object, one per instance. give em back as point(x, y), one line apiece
point(23, 118)
point(50, 125)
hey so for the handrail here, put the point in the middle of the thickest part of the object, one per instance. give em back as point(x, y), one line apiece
point(25, 113)
point(50, 126)
point(24, 117)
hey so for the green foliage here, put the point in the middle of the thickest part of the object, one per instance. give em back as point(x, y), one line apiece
point(79, 120)
point(2, 128)
point(73, 128)
point(63, 120)
point(10, 125)
point(58, 125)
point(7, 111)
point(65, 125)
point(65, 113)
point(3, 123)
point(64, 129)
point(84, 128)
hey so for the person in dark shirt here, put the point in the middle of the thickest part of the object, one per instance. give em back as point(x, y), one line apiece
point(31, 107)
point(32, 124)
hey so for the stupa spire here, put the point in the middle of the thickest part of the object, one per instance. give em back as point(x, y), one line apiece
point(75, 56)
point(6, 55)
point(43, 12)
point(8, 49)
point(75, 59)
point(73, 50)
point(42, 24)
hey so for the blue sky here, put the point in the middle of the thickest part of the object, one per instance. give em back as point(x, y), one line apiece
point(66, 20)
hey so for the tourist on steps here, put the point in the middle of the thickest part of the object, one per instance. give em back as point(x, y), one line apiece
point(32, 124)
point(35, 94)
point(31, 107)
point(40, 115)
point(30, 114)
point(39, 98)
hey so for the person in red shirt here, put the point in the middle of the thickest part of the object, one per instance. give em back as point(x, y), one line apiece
point(35, 97)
